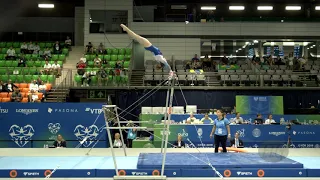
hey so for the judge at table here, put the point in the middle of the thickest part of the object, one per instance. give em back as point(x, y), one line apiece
point(179, 143)
point(236, 142)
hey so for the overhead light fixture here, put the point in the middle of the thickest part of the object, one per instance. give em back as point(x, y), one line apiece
point(265, 8)
point(46, 5)
point(288, 43)
point(240, 49)
point(244, 46)
point(236, 8)
point(272, 43)
point(317, 8)
point(208, 8)
point(178, 6)
point(307, 48)
point(293, 8)
point(247, 42)
point(255, 41)
point(236, 51)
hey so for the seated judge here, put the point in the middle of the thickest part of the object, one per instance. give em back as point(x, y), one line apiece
point(179, 143)
point(236, 142)
point(60, 142)
point(258, 119)
point(206, 119)
point(117, 141)
point(238, 119)
point(269, 120)
point(191, 119)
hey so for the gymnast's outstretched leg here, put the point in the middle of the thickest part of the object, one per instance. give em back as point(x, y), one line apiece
point(148, 46)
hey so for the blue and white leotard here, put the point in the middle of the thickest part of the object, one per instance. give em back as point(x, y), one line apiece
point(158, 56)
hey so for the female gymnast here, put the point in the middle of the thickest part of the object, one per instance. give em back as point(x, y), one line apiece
point(221, 131)
point(148, 46)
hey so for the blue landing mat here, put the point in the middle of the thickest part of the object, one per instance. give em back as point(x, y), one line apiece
point(218, 160)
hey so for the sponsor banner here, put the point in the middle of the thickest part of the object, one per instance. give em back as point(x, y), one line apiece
point(37, 125)
point(259, 104)
point(252, 135)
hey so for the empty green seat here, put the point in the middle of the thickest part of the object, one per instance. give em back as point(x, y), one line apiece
point(107, 57)
point(42, 63)
point(100, 56)
point(51, 78)
point(8, 63)
point(128, 51)
point(77, 79)
point(62, 57)
point(20, 79)
point(126, 64)
point(18, 51)
point(51, 62)
point(55, 57)
point(2, 64)
point(88, 57)
point(4, 50)
point(94, 80)
point(32, 71)
point(30, 63)
point(42, 45)
point(115, 51)
point(2, 44)
point(90, 63)
point(60, 63)
point(65, 51)
point(2, 56)
point(25, 70)
point(122, 51)
point(37, 63)
point(28, 57)
point(112, 64)
point(3, 71)
point(114, 58)
point(16, 45)
point(13, 78)
point(120, 57)
point(44, 78)
point(49, 44)
point(4, 78)
point(34, 57)
point(14, 64)
point(109, 51)
point(88, 69)
point(9, 44)
point(27, 78)
point(127, 57)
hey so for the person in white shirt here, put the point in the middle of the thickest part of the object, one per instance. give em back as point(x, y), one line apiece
point(36, 49)
point(67, 43)
point(11, 53)
point(206, 119)
point(43, 89)
point(86, 77)
point(56, 68)
point(30, 47)
point(302, 61)
point(24, 48)
point(47, 68)
point(269, 120)
point(33, 96)
point(47, 53)
point(117, 141)
point(100, 49)
point(238, 119)
point(83, 59)
point(34, 86)
point(191, 119)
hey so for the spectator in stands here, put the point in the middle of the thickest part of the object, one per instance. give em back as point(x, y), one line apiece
point(290, 61)
point(34, 86)
point(179, 143)
point(36, 49)
point(101, 49)
point(207, 62)
point(83, 59)
point(206, 119)
point(86, 77)
point(10, 86)
point(42, 89)
point(302, 61)
point(258, 119)
point(30, 47)
point(224, 60)
point(97, 61)
point(3, 87)
point(11, 53)
point(270, 61)
point(56, 68)
point(47, 68)
point(47, 53)
point(238, 119)
point(89, 48)
point(102, 75)
point(269, 120)
point(24, 48)
point(68, 43)
point(236, 142)
point(57, 48)
point(33, 96)
point(16, 96)
point(188, 65)
point(117, 141)
point(39, 81)
point(195, 58)
point(191, 119)
point(22, 61)
point(197, 65)
point(81, 67)
point(60, 142)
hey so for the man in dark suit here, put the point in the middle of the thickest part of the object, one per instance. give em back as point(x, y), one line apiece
point(236, 142)
point(179, 143)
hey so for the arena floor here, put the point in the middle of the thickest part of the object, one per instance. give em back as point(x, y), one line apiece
point(309, 157)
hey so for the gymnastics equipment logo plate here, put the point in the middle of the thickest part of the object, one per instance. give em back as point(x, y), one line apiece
point(86, 135)
point(21, 135)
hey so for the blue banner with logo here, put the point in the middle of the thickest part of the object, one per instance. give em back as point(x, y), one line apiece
point(259, 104)
point(252, 135)
point(37, 125)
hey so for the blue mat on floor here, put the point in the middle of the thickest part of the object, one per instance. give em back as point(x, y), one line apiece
point(218, 160)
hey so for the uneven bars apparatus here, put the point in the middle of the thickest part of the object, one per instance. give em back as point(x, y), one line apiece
point(169, 101)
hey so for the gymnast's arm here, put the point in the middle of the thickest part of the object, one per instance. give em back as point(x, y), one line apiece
point(228, 129)
point(213, 130)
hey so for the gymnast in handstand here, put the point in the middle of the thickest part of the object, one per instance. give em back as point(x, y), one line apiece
point(148, 46)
